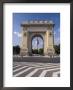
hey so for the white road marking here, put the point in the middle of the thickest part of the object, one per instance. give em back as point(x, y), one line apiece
point(48, 67)
point(19, 68)
point(55, 74)
point(44, 65)
point(47, 63)
point(37, 66)
point(16, 66)
point(37, 63)
point(33, 72)
point(23, 71)
point(40, 65)
point(45, 71)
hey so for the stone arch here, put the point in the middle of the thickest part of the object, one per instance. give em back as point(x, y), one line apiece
point(42, 29)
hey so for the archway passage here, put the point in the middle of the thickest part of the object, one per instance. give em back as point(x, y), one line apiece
point(37, 45)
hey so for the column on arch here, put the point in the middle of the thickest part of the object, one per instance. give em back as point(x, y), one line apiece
point(24, 41)
point(50, 49)
point(46, 42)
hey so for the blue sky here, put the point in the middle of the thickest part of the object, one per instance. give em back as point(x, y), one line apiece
point(18, 18)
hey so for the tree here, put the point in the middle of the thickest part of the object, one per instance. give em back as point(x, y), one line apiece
point(57, 49)
point(40, 51)
point(16, 49)
point(35, 51)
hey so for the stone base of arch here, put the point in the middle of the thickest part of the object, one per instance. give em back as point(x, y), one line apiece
point(49, 52)
point(24, 52)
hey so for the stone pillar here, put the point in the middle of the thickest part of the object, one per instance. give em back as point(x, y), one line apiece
point(24, 43)
point(48, 42)
point(45, 43)
point(29, 43)
point(50, 49)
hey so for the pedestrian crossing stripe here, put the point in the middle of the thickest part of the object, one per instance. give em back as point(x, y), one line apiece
point(26, 67)
point(55, 74)
point(20, 68)
point(22, 71)
point(45, 71)
point(17, 66)
point(32, 73)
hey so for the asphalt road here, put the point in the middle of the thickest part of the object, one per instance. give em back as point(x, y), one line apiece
point(37, 59)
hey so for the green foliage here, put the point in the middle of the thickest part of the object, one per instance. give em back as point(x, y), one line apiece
point(37, 51)
point(57, 49)
point(16, 49)
point(40, 51)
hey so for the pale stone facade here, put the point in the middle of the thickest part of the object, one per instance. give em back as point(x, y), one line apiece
point(42, 28)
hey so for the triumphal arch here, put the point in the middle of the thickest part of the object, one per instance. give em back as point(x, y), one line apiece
point(40, 28)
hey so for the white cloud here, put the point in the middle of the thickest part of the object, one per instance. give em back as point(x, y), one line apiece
point(18, 34)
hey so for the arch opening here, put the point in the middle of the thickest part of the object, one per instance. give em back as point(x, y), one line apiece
point(37, 45)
